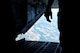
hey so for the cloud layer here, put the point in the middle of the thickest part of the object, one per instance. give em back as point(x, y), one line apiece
point(43, 30)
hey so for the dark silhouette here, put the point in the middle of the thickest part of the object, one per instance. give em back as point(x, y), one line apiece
point(19, 10)
point(48, 10)
point(59, 27)
point(12, 10)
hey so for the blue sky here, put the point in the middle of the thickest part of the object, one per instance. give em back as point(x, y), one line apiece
point(43, 30)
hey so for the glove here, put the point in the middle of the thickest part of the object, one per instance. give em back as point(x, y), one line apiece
point(47, 14)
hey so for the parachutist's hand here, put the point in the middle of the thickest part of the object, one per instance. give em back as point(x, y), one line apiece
point(47, 17)
point(47, 14)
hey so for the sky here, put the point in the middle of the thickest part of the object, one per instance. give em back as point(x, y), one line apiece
point(43, 30)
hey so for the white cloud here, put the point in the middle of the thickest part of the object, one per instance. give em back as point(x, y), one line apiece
point(49, 33)
point(46, 30)
point(32, 36)
point(19, 37)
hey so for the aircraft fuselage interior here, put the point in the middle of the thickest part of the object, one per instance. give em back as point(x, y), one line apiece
point(26, 13)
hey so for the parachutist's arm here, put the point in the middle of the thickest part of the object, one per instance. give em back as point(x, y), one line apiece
point(48, 10)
